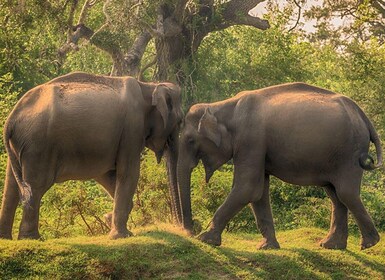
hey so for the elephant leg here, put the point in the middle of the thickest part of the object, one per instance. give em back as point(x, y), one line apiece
point(108, 181)
point(338, 233)
point(40, 178)
point(29, 226)
point(242, 193)
point(126, 183)
point(264, 218)
point(349, 194)
point(9, 204)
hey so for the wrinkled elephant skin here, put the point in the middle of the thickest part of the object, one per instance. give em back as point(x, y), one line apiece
point(299, 133)
point(82, 126)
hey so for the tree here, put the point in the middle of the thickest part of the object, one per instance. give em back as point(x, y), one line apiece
point(363, 19)
point(177, 26)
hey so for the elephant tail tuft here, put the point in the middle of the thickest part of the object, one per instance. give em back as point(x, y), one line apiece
point(25, 190)
point(367, 162)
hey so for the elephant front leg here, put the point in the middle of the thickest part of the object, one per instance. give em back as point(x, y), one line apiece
point(338, 233)
point(108, 181)
point(126, 183)
point(232, 205)
point(242, 193)
point(264, 219)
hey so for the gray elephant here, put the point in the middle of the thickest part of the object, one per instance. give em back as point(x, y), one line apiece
point(82, 126)
point(299, 133)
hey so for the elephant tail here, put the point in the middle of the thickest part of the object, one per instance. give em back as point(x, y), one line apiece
point(366, 161)
point(25, 189)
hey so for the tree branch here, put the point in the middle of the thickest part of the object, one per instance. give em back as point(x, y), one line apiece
point(83, 14)
point(135, 54)
point(179, 10)
point(71, 18)
point(298, 17)
point(237, 12)
point(379, 5)
point(77, 32)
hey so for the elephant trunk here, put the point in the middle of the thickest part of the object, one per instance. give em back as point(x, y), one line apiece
point(171, 162)
point(184, 183)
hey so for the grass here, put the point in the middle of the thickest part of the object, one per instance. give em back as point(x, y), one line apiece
point(165, 252)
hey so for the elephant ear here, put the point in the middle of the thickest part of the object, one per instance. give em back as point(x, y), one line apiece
point(208, 127)
point(160, 99)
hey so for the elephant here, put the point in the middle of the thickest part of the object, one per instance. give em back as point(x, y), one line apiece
point(299, 133)
point(82, 126)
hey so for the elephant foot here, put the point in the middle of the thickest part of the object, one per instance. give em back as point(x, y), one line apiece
point(331, 242)
point(370, 241)
point(108, 219)
point(115, 234)
point(27, 235)
point(265, 244)
point(210, 238)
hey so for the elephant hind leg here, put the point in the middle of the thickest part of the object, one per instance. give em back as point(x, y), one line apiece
point(9, 204)
point(29, 226)
point(338, 232)
point(40, 179)
point(264, 219)
point(348, 192)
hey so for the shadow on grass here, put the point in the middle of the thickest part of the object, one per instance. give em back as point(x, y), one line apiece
point(160, 254)
point(156, 255)
point(270, 264)
point(306, 264)
point(375, 265)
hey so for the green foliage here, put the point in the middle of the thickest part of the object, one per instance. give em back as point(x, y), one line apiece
point(88, 59)
point(254, 60)
point(29, 41)
point(152, 202)
point(74, 208)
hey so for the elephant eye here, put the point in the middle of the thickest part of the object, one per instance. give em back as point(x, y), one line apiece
point(190, 141)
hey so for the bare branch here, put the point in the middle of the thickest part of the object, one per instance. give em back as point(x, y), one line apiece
point(83, 14)
point(145, 67)
point(71, 19)
point(135, 54)
point(379, 5)
point(75, 33)
point(78, 32)
point(298, 17)
point(241, 6)
point(72, 13)
point(237, 12)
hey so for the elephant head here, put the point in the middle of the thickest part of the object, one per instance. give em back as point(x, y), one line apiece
point(204, 137)
point(163, 124)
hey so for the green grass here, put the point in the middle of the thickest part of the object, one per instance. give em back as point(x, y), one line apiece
point(164, 252)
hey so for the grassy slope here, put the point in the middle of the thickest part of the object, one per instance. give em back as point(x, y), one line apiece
point(164, 252)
